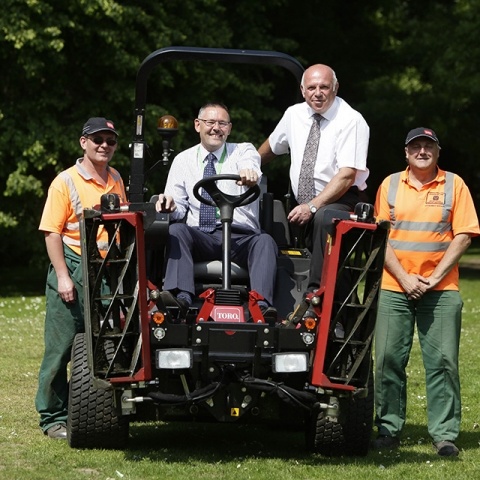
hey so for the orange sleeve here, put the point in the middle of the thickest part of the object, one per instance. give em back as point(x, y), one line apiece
point(57, 210)
point(464, 216)
point(381, 208)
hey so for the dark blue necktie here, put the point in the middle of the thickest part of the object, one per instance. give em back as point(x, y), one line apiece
point(208, 219)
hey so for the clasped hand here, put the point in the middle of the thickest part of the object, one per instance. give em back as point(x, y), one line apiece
point(415, 286)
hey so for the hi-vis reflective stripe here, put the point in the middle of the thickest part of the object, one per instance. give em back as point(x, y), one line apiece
point(103, 246)
point(72, 226)
point(440, 227)
point(419, 246)
point(74, 196)
point(70, 241)
point(437, 227)
point(77, 207)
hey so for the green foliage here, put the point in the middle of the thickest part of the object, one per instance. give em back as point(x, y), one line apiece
point(401, 63)
point(71, 60)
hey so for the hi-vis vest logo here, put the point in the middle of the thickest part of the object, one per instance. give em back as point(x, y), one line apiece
point(435, 198)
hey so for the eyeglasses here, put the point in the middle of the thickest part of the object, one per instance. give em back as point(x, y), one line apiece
point(417, 147)
point(211, 123)
point(100, 140)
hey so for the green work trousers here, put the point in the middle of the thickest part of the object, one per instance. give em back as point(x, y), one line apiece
point(62, 322)
point(438, 318)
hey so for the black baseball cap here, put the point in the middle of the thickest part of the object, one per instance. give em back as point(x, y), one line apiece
point(421, 132)
point(98, 124)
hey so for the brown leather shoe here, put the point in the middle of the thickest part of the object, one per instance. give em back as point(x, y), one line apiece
point(57, 432)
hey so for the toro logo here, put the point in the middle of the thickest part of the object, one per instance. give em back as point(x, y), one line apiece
point(227, 314)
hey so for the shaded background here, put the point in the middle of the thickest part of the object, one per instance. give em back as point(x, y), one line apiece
point(402, 64)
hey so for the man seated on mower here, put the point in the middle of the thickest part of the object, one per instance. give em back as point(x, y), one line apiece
point(197, 238)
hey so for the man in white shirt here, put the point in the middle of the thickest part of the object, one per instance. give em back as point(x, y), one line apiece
point(187, 243)
point(339, 172)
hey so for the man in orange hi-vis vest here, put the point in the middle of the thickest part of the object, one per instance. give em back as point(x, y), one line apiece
point(432, 219)
point(73, 190)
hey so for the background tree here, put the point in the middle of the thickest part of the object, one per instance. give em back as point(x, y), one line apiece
point(401, 63)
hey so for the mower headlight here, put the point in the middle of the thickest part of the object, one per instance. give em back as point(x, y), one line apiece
point(174, 358)
point(290, 362)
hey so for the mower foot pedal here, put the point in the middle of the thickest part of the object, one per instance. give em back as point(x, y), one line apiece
point(172, 303)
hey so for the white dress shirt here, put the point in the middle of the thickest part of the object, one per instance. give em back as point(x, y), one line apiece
point(187, 169)
point(343, 142)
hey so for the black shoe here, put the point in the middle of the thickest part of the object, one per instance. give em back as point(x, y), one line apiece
point(446, 448)
point(383, 442)
point(170, 301)
point(57, 432)
point(269, 314)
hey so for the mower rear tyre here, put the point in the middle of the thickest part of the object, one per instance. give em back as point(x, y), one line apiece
point(357, 429)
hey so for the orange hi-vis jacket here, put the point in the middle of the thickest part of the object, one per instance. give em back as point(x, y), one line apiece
point(424, 222)
point(69, 194)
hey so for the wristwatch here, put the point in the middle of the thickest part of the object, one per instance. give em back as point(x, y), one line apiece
point(312, 207)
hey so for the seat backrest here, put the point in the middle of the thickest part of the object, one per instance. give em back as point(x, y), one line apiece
point(273, 218)
point(280, 227)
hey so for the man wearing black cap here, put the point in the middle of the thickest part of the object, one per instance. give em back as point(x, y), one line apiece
point(73, 190)
point(432, 218)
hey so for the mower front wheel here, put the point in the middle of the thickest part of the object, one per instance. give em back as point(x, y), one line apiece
point(92, 419)
point(321, 434)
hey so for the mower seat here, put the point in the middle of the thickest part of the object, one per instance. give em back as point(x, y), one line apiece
point(273, 220)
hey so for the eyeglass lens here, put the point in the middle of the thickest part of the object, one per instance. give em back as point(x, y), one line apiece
point(211, 123)
point(99, 141)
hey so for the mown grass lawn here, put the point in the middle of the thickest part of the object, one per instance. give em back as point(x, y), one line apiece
point(217, 451)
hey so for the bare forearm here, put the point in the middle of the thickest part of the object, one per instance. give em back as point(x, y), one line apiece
point(336, 188)
point(413, 284)
point(66, 287)
point(393, 265)
point(266, 153)
point(54, 244)
point(454, 252)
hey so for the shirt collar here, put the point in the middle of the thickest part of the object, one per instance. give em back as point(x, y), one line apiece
point(440, 177)
point(204, 152)
point(82, 172)
point(329, 114)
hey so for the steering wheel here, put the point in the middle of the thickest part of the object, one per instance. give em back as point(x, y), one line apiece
point(225, 202)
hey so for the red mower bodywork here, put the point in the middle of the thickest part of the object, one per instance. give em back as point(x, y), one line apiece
point(138, 361)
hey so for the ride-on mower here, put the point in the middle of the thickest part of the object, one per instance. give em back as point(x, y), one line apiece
point(139, 360)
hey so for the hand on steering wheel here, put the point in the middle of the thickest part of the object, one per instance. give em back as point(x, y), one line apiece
point(225, 202)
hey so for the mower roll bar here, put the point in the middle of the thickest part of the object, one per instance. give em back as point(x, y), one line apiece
point(256, 57)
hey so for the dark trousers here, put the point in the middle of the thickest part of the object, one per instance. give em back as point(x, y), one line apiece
point(255, 251)
point(316, 234)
